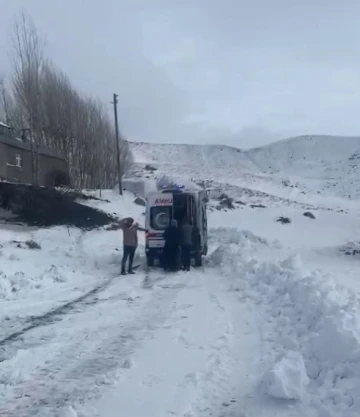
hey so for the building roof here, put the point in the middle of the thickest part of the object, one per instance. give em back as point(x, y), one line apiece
point(26, 145)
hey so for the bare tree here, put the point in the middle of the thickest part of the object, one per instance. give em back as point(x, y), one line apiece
point(58, 100)
point(76, 126)
point(9, 111)
point(28, 60)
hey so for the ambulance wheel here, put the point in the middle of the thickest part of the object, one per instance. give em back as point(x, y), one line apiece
point(198, 259)
point(149, 260)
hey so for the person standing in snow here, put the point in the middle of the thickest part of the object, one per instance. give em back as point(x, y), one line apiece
point(130, 242)
point(172, 247)
point(187, 232)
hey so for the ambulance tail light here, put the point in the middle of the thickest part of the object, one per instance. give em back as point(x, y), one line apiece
point(152, 235)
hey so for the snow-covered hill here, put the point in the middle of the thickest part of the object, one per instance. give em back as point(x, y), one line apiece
point(326, 165)
point(197, 158)
point(329, 164)
point(223, 168)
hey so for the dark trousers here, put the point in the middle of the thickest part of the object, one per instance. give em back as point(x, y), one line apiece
point(171, 258)
point(186, 257)
point(129, 252)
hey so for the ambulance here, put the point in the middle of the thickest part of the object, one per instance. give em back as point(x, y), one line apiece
point(178, 202)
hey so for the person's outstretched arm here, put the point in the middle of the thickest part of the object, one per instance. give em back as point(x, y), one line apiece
point(142, 229)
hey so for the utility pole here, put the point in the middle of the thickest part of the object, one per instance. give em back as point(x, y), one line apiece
point(115, 102)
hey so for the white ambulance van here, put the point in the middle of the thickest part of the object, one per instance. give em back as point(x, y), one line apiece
point(175, 202)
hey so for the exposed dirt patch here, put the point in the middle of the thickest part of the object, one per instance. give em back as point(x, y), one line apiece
point(44, 207)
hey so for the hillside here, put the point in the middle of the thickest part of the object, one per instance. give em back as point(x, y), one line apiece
point(328, 164)
point(192, 159)
point(224, 169)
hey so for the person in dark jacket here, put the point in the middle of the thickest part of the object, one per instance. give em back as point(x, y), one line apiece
point(187, 233)
point(172, 246)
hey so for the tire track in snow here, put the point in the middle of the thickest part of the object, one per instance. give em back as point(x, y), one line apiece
point(228, 384)
point(211, 401)
point(79, 369)
point(173, 368)
point(50, 317)
point(54, 314)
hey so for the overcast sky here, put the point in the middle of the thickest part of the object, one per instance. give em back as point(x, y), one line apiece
point(241, 72)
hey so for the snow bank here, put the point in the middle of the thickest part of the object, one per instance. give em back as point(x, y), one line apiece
point(224, 246)
point(317, 319)
point(21, 268)
point(287, 379)
point(302, 313)
point(35, 276)
point(69, 263)
point(229, 235)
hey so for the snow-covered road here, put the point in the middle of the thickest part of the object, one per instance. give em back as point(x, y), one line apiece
point(186, 365)
point(173, 344)
point(262, 330)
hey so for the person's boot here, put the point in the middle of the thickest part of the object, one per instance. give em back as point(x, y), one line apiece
point(130, 271)
point(123, 272)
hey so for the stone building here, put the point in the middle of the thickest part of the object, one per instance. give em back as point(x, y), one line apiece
point(18, 159)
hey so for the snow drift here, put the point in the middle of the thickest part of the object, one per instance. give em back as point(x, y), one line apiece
point(312, 326)
point(287, 379)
